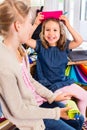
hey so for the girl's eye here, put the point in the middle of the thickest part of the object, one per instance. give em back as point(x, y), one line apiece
point(55, 30)
point(50, 30)
point(47, 29)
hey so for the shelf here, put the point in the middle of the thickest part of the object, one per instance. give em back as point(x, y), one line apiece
point(3, 124)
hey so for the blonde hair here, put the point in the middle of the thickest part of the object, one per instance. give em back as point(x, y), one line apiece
point(10, 11)
point(62, 39)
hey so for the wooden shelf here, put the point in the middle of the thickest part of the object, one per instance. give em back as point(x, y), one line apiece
point(3, 124)
point(7, 126)
point(77, 62)
point(85, 87)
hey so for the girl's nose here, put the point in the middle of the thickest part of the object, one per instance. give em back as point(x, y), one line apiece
point(50, 32)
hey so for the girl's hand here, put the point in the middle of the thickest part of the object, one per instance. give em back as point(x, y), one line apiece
point(76, 37)
point(39, 19)
point(64, 19)
point(63, 112)
point(63, 96)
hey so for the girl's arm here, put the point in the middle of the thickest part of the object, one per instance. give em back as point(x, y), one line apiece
point(77, 39)
point(38, 20)
point(31, 43)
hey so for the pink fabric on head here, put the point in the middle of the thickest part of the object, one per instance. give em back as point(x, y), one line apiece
point(52, 14)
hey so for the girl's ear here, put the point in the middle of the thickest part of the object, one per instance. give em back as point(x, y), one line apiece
point(17, 25)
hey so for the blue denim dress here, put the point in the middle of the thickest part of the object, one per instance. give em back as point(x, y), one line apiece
point(51, 66)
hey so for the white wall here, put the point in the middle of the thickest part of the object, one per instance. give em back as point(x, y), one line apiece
point(83, 29)
point(51, 5)
point(1, 1)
